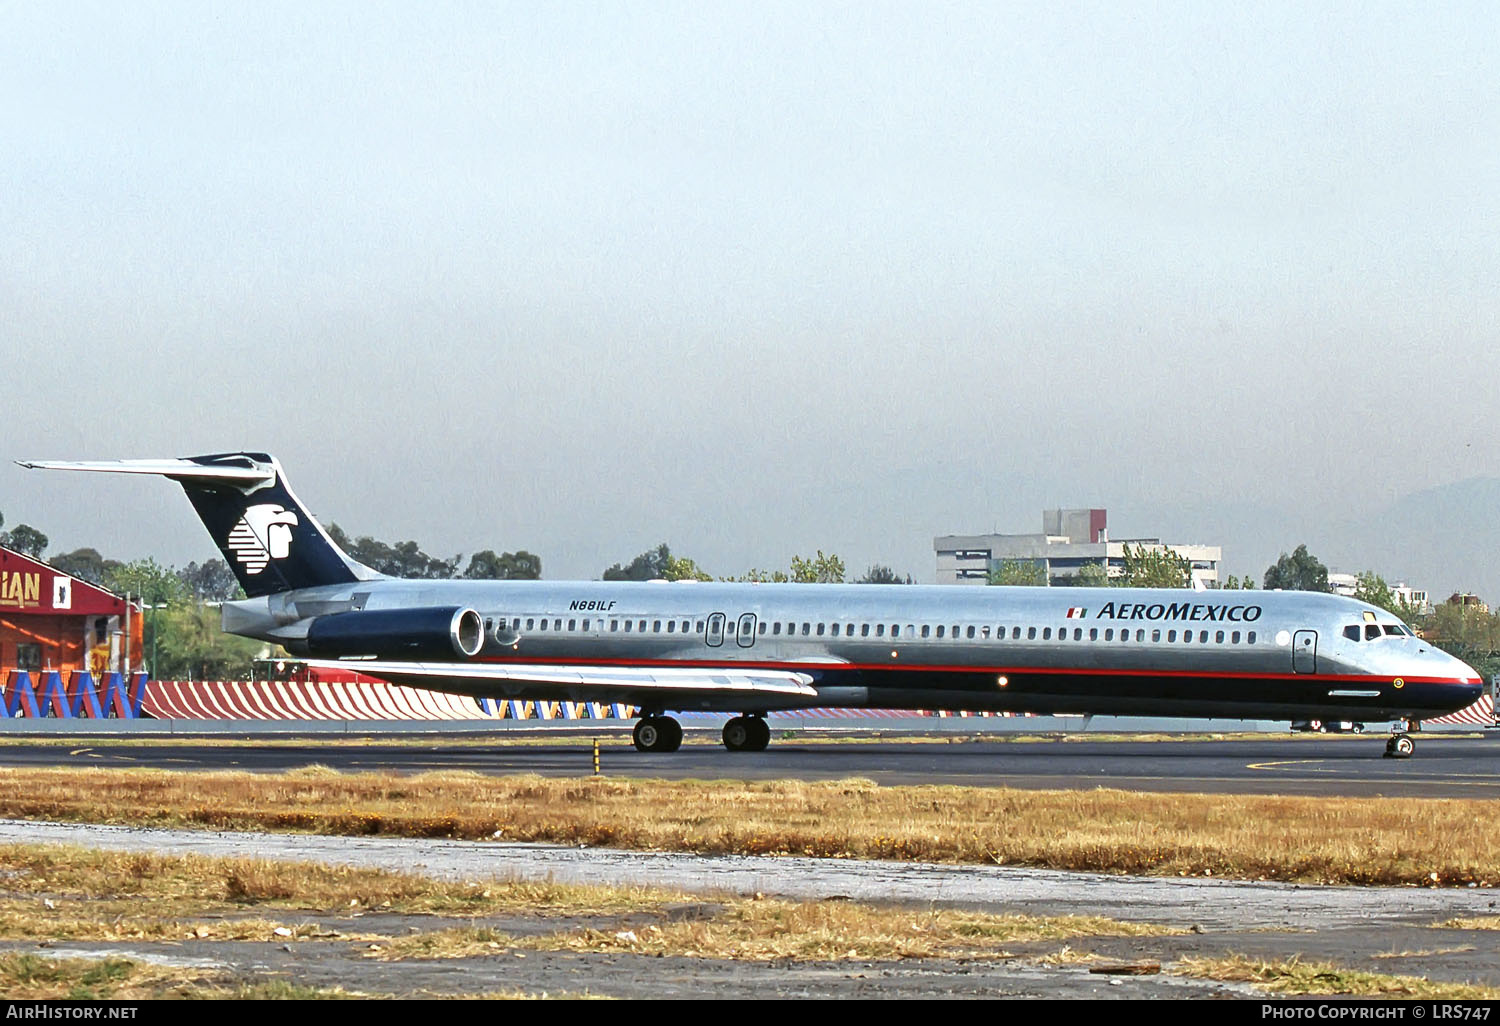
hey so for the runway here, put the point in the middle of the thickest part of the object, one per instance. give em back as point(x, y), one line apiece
point(1445, 765)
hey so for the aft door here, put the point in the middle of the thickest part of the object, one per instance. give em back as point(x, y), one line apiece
point(1305, 652)
point(745, 637)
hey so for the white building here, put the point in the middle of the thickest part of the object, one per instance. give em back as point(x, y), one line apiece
point(1070, 538)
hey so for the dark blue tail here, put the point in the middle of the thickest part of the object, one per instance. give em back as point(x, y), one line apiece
point(269, 540)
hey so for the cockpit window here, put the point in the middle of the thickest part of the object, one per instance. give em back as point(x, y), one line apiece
point(1372, 631)
point(1352, 632)
point(1395, 629)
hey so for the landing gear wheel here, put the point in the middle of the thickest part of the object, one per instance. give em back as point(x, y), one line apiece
point(657, 734)
point(1400, 747)
point(747, 734)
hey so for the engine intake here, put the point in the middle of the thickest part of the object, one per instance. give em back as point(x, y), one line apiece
point(439, 633)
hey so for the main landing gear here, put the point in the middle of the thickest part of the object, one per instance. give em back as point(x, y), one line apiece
point(658, 734)
point(747, 734)
point(1400, 745)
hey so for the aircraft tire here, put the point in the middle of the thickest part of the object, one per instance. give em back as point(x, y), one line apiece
point(760, 734)
point(1400, 747)
point(738, 734)
point(657, 734)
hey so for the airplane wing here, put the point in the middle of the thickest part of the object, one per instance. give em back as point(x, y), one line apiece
point(587, 683)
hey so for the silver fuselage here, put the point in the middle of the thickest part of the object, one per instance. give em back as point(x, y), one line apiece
point(1122, 651)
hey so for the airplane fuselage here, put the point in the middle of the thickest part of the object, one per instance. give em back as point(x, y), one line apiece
point(1120, 651)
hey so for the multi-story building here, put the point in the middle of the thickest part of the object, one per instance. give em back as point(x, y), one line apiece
point(1069, 540)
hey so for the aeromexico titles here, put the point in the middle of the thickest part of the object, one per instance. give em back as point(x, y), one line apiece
point(748, 649)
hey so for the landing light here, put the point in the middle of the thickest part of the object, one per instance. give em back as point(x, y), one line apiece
point(1002, 680)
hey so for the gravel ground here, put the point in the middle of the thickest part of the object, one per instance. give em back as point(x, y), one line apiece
point(1379, 929)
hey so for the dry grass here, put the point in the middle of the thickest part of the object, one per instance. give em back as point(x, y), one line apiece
point(26, 977)
point(56, 892)
point(774, 931)
point(1360, 841)
point(1293, 976)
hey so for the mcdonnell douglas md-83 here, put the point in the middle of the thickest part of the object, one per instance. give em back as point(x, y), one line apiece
point(747, 649)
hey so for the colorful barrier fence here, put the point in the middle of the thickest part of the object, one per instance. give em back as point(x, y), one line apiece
point(81, 696)
point(1480, 714)
point(347, 700)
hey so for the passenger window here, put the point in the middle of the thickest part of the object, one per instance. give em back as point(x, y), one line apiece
point(1203, 637)
point(820, 629)
point(926, 630)
point(984, 632)
point(848, 630)
point(806, 629)
point(1077, 633)
point(1156, 635)
point(643, 626)
point(1015, 634)
point(672, 627)
point(776, 627)
point(572, 625)
point(1031, 634)
point(762, 627)
point(970, 632)
point(1046, 633)
point(1234, 638)
point(1093, 634)
point(530, 622)
point(1109, 634)
point(614, 625)
point(1171, 636)
point(585, 625)
point(1250, 638)
point(627, 625)
point(1218, 637)
point(655, 626)
point(940, 630)
point(557, 624)
point(895, 630)
point(1140, 635)
point(880, 630)
point(700, 627)
point(864, 630)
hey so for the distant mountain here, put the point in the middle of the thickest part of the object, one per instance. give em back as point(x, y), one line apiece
point(1445, 539)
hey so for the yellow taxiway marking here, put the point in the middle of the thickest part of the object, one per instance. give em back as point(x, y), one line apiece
point(1284, 762)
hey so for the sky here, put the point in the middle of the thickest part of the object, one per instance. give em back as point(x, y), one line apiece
point(751, 279)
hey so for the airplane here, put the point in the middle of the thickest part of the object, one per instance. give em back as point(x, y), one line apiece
point(749, 649)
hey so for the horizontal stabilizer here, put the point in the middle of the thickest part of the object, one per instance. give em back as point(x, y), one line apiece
point(178, 470)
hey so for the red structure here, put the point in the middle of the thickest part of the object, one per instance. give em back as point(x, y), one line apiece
point(50, 620)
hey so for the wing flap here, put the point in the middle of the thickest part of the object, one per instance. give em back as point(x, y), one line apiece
point(469, 677)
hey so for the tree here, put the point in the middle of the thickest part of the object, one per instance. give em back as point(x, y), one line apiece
point(87, 565)
point(684, 569)
point(159, 588)
point(1091, 575)
point(824, 568)
point(1371, 587)
point(1232, 583)
point(650, 565)
point(1301, 571)
point(26, 540)
point(404, 559)
point(882, 574)
point(192, 646)
point(819, 569)
point(1156, 568)
point(1019, 572)
point(210, 581)
point(512, 566)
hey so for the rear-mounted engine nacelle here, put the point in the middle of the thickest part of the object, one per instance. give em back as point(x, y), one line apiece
point(438, 633)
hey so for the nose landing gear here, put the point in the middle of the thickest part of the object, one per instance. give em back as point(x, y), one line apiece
point(747, 734)
point(1400, 745)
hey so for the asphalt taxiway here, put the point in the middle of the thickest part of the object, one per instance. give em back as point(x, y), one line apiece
point(1447, 765)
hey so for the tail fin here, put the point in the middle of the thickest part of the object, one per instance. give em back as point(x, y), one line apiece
point(270, 542)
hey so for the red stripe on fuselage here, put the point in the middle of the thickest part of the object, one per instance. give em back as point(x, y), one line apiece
point(1091, 671)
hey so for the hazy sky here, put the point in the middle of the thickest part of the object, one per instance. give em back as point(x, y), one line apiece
point(751, 279)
